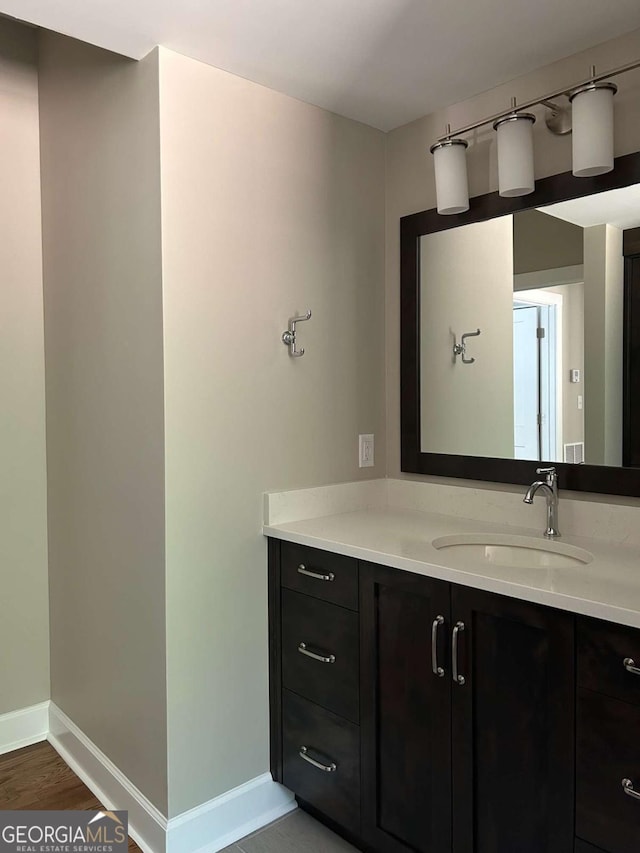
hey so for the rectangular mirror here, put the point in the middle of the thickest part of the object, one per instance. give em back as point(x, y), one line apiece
point(519, 337)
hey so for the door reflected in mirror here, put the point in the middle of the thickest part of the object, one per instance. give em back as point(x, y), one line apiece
point(544, 378)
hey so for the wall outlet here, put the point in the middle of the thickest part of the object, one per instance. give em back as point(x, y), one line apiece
point(579, 401)
point(365, 454)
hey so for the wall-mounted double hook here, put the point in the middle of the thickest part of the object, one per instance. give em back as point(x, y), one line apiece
point(461, 348)
point(289, 337)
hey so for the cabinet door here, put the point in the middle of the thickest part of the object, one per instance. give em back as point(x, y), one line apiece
point(513, 724)
point(405, 712)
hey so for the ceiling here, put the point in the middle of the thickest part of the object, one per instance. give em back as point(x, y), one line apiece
point(619, 207)
point(382, 62)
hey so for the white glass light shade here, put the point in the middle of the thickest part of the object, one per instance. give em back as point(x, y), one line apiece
point(515, 154)
point(450, 164)
point(593, 129)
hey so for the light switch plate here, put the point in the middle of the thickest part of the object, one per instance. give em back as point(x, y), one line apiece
point(366, 450)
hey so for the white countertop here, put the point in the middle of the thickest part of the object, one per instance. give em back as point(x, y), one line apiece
point(607, 588)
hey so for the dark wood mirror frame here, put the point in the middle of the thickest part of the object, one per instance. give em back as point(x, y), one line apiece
point(589, 478)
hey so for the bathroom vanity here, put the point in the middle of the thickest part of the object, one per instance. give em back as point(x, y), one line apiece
point(423, 700)
point(441, 685)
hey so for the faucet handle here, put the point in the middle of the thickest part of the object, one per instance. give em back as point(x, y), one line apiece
point(551, 476)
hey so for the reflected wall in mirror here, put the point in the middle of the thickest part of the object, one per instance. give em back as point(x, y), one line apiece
point(538, 284)
point(520, 335)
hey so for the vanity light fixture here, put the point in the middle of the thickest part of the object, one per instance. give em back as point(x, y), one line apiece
point(450, 164)
point(515, 153)
point(592, 107)
point(591, 103)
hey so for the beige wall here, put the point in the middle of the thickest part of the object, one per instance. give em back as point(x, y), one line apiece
point(24, 606)
point(410, 182)
point(270, 207)
point(572, 358)
point(603, 318)
point(614, 334)
point(466, 277)
point(103, 340)
point(543, 242)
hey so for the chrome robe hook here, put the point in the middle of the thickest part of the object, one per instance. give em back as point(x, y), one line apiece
point(461, 348)
point(289, 337)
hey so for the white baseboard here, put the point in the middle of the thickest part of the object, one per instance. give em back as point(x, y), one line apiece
point(24, 727)
point(147, 825)
point(205, 829)
point(219, 822)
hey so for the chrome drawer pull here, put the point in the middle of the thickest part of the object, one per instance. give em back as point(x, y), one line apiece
point(321, 656)
point(437, 670)
point(328, 768)
point(319, 576)
point(627, 787)
point(458, 679)
point(630, 666)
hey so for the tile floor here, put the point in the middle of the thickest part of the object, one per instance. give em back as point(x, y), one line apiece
point(297, 832)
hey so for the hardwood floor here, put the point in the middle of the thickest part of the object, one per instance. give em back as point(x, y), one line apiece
point(37, 778)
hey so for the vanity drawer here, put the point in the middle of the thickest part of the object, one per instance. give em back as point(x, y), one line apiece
point(330, 741)
point(603, 649)
point(330, 633)
point(320, 574)
point(608, 751)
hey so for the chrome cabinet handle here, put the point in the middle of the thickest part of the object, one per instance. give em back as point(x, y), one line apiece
point(458, 679)
point(627, 787)
point(437, 670)
point(323, 657)
point(630, 666)
point(328, 768)
point(319, 576)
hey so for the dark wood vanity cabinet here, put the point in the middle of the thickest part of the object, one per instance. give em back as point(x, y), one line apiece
point(513, 726)
point(446, 722)
point(470, 750)
point(315, 679)
point(608, 742)
point(406, 712)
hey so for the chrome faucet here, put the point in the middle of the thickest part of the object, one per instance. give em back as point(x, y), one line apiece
point(550, 487)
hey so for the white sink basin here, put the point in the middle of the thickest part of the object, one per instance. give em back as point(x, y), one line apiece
point(503, 549)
